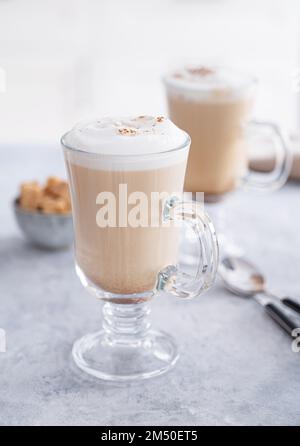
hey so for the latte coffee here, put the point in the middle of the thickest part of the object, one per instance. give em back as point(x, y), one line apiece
point(108, 157)
point(212, 105)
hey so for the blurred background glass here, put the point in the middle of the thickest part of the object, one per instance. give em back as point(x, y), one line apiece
point(66, 59)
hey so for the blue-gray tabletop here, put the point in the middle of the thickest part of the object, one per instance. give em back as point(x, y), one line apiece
point(236, 366)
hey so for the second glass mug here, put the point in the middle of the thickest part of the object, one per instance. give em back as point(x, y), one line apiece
point(218, 122)
point(217, 117)
point(127, 266)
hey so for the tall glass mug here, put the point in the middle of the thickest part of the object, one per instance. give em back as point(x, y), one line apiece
point(213, 104)
point(126, 178)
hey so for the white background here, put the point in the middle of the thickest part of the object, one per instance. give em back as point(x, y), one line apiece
point(68, 59)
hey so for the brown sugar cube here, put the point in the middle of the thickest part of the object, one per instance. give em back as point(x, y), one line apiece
point(52, 181)
point(57, 188)
point(50, 205)
point(64, 205)
point(52, 185)
point(30, 195)
point(67, 207)
point(62, 190)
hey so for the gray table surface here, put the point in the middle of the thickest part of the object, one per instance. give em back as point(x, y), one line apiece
point(236, 366)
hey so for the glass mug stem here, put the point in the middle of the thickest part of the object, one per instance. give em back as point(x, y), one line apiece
point(126, 324)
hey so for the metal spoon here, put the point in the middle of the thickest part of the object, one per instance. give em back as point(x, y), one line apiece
point(243, 278)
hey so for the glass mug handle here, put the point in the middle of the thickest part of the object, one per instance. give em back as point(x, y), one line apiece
point(172, 279)
point(278, 176)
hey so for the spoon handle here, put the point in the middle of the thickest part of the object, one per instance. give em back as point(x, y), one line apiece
point(281, 318)
point(291, 303)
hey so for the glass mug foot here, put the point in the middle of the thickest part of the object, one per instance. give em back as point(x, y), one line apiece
point(126, 349)
point(95, 355)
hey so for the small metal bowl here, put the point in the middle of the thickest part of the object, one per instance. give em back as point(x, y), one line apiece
point(48, 231)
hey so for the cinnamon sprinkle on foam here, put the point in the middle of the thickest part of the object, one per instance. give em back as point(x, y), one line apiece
point(201, 71)
point(127, 131)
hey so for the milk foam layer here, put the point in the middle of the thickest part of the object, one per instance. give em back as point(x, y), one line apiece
point(126, 143)
point(210, 83)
